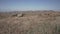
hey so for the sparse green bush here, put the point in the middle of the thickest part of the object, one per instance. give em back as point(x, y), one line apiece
point(58, 29)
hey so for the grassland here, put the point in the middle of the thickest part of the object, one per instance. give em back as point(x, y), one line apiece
point(46, 22)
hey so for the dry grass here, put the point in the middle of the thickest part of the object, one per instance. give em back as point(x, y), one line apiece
point(43, 23)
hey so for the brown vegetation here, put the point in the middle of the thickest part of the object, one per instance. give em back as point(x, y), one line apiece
point(31, 23)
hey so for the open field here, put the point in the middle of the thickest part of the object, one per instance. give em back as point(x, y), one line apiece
point(46, 22)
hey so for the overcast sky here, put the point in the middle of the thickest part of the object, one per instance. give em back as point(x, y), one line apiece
point(12, 5)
